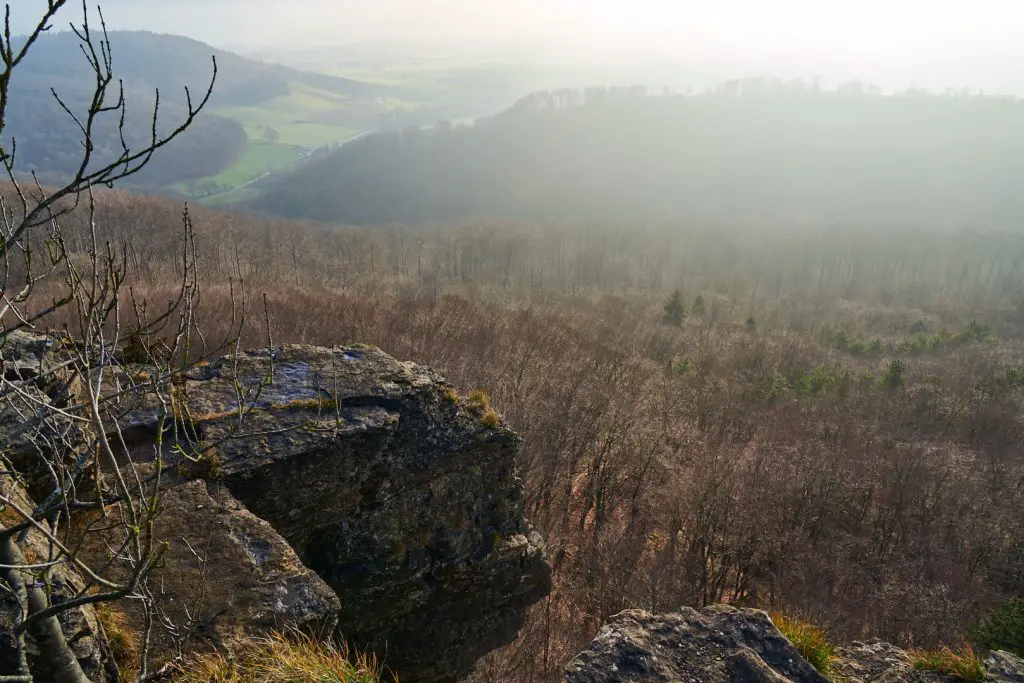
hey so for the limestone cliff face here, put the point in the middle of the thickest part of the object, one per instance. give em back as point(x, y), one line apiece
point(405, 502)
point(341, 491)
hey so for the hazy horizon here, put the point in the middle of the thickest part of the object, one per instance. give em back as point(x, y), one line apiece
point(935, 45)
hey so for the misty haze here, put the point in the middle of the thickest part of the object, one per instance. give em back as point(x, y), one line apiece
point(505, 342)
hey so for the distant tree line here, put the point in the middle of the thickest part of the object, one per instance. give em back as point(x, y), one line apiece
point(755, 151)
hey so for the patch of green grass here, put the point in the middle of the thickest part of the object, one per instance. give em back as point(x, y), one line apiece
point(257, 159)
point(306, 117)
point(280, 130)
point(809, 640)
point(302, 102)
point(312, 134)
point(398, 104)
point(379, 76)
point(243, 194)
point(963, 665)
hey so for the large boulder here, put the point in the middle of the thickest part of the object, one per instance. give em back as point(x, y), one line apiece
point(224, 576)
point(27, 355)
point(402, 497)
point(34, 433)
point(1004, 667)
point(876, 661)
point(718, 644)
point(723, 644)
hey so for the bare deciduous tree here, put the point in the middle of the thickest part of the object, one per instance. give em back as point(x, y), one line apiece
point(68, 446)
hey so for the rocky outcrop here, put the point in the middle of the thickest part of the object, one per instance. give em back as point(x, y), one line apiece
point(723, 644)
point(715, 645)
point(27, 355)
point(1003, 667)
point(876, 661)
point(312, 487)
point(403, 499)
point(405, 502)
point(336, 489)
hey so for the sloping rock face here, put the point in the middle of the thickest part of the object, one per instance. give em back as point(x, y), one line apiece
point(336, 486)
point(876, 661)
point(28, 421)
point(226, 575)
point(723, 644)
point(715, 645)
point(79, 625)
point(27, 355)
point(402, 499)
point(1003, 667)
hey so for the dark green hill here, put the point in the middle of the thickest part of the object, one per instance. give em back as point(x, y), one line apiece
point(758, 153)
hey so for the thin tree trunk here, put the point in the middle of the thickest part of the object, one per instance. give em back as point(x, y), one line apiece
point(57, 662)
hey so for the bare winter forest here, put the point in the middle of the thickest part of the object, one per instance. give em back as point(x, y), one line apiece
point(670, 313)
point(826, 422)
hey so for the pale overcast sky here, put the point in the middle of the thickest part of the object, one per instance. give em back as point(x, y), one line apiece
point(977, 43)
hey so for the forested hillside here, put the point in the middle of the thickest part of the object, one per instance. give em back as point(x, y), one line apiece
point(48, 138)
point(825, 422)
point(751, 151)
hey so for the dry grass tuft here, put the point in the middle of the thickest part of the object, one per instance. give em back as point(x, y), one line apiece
point(478, 401)
point(964, 665)
point(210, 417)
point(809, 639)
point(491, 418)
point(314, 404)
point(281, 658)
point(121, 639)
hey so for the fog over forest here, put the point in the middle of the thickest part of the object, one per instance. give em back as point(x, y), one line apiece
point(934, 44)
point(443, 339)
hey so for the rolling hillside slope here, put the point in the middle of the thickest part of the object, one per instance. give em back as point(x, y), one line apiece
point(261, 116)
